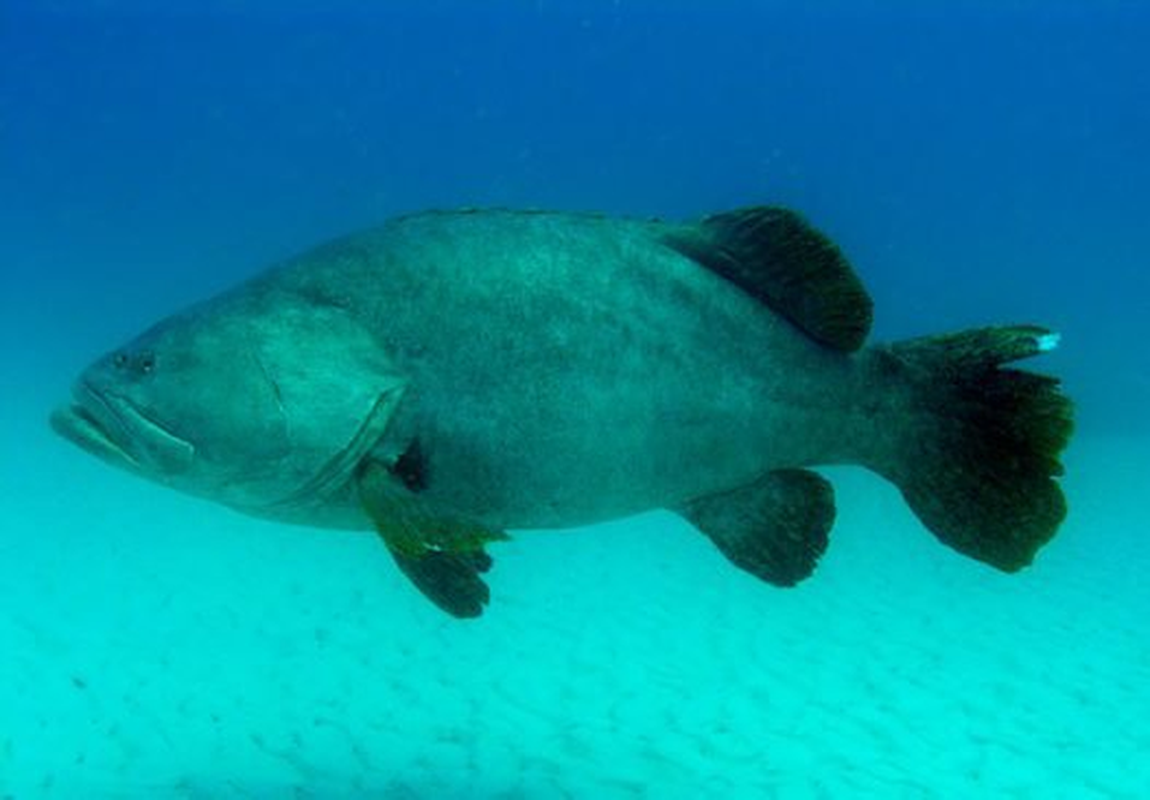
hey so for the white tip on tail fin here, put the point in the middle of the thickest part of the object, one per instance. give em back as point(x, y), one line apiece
point(1048, 341)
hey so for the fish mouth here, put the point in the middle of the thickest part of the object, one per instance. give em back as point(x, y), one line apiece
point(93, 424)
point(116, 430)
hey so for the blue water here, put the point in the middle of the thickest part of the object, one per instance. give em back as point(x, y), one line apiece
point(978, 161)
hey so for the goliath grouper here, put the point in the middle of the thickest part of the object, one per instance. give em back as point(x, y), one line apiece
point(451, 375)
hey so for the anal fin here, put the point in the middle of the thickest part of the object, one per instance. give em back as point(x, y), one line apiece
point(776, 528)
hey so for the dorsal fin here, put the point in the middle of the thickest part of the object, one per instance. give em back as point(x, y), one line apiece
point(774, 255)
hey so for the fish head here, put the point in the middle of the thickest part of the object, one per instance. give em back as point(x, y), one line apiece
point(249, 402)
point(184, 403)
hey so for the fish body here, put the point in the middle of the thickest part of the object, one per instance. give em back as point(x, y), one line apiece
point(562, 370)
point(450, 375)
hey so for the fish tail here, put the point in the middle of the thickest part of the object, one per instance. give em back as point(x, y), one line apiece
point(975, 449)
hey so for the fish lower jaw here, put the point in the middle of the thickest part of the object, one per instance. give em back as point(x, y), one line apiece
point(81, 427)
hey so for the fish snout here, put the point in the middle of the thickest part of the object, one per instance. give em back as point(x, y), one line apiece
point(112, 426)
point(94, 425)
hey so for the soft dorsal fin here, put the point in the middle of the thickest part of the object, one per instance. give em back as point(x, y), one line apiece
point(774, 255)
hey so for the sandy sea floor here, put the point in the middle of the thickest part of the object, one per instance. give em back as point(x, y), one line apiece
point(157, 646)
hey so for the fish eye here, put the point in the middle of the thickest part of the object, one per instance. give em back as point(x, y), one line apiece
point(147, 362)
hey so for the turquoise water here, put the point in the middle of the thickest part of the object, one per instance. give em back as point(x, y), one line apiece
point(979, 163)
point(161, 647)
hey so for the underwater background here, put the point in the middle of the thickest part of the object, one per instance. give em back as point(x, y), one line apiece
point(979, 162)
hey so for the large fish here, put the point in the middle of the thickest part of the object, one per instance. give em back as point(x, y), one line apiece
point(451, 375)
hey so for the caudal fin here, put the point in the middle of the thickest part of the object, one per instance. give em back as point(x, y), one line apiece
point(977, 450)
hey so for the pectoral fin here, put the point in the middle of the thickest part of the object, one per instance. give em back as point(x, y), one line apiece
point(441, 554)
point(450, 580)
point(776, 528)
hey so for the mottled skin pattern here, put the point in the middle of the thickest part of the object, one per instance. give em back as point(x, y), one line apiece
point(566, 369)
point(556, 369)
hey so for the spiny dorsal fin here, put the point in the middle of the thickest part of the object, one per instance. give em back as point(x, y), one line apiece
point(774, 255)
